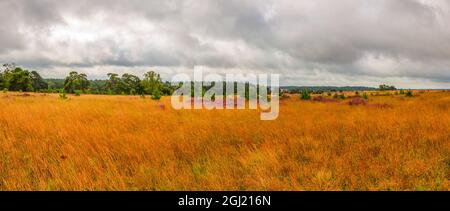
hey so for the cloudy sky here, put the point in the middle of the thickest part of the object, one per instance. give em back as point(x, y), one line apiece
point(320, 42)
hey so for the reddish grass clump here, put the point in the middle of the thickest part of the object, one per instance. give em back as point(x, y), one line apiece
point(356, 101)
point(381, 105)
point(23, 95)
point(323, 99)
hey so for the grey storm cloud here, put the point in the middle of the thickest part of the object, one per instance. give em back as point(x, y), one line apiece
point(360, 40)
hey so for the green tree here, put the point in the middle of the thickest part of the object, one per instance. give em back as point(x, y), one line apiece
point(84, 82)
point(98, 86)
point(38, 82)
point(19, 80)
point(131, 84)
point(151, 82)
point(2, 81)
point(167, 88)
point(76, 81)
point(71, 82)
point(385, 87)
point(113, 85)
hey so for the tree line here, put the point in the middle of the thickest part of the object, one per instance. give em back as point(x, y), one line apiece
point(14, 78)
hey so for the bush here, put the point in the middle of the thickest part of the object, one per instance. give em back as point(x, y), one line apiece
point(156, 95)
point(305, 95)
point(78, 92)
point(365, 96)
point(335, 96)
point(409, 93)
point(318, 92)
point(63, 96)
point(5, 90)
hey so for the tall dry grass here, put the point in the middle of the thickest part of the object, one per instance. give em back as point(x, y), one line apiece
point(129, 143)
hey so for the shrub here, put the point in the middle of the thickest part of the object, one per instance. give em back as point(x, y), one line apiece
point(402, 92)
point(335, 96)
point(78, 92)
point(318, 92)
point(365, 96)
point(156, 95)
point(409, 93)
point(5, 90)
point(63, 96)
point(305, 95)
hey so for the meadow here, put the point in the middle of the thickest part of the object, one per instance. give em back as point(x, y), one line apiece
point(93, 142)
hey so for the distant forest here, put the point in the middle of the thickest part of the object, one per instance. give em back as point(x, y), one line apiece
point(299, 89)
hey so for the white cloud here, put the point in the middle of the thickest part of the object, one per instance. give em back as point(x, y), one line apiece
point(344, 42)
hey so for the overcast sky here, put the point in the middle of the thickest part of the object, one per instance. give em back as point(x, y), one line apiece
point(320, 42)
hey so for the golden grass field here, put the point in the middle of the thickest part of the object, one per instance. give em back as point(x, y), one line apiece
point(128, 143)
